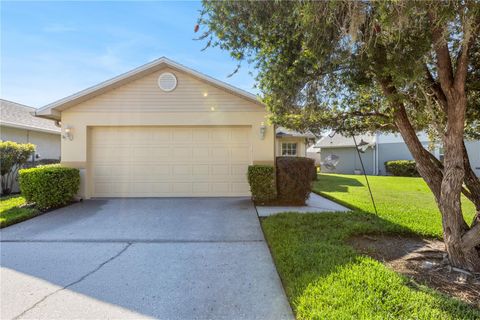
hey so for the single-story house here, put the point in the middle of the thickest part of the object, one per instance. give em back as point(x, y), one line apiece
point(18, 124)
point(292, 143)
point(163, 130)
point(338, 154)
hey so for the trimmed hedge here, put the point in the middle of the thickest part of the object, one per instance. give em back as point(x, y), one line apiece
point(49, 186)
point(402, 168)
point(262, 183)
point(294, 178)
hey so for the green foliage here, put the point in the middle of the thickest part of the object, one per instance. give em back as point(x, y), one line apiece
point(325, 278)
point(402, 168)
point(294, 179)
point(49, 186)
point(262, 183)
point(11, 212)
point(402, 201)
point(12, 157)
point(320, 63)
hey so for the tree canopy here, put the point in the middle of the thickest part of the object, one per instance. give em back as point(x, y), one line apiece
point(319, 62)
point(359, 66)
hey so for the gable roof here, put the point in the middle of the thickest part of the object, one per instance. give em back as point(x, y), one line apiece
point(20, 116)
point(52, 110)
point(340, 141)
point(284, 132)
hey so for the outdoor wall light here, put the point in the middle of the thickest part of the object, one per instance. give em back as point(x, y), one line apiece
point(205, 94)
point(263, 130)
point(67, 133)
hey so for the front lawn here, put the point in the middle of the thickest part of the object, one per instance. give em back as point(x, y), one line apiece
point(404, 201)
point(10, 212)
point(326, 278)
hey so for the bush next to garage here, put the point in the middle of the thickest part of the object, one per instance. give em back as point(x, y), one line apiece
point(49, 186)
point(294, 179)
point(262, 183)
point(402, 168)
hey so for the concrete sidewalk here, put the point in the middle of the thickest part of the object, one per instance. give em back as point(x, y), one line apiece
point(315, 204)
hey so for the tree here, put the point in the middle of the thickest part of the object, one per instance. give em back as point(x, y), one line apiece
point(12, 157)
point(365, 66)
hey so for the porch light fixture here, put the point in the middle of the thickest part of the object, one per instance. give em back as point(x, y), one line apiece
point(205, 94)
point(67, 133)
point(263, 130)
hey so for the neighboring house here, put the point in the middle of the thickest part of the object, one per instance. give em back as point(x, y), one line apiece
point(378, 149)
point(292, 143)
point(163, 130)
point(18, 124)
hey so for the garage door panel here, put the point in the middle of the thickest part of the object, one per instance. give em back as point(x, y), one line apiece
point(169, 161)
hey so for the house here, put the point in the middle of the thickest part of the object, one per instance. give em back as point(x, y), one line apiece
point(18, 124)
point(292, 143)
point(338, 154)
point(163, 130)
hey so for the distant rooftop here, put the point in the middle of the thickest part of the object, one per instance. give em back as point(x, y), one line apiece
point(20, 116)
point(338, 141)
point(284, 132)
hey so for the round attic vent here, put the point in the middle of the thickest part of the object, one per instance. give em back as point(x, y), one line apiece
point(167, 81)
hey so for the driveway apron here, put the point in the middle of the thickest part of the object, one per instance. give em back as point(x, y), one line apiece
point(160, 258)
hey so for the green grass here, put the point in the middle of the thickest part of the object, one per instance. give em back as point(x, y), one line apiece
point(10, 212)
point(404, 201)
point(325, 278)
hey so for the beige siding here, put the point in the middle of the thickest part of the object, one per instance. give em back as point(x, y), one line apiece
point(143, 95)
point(142, 103)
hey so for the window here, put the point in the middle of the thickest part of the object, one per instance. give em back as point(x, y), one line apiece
point(289, 149)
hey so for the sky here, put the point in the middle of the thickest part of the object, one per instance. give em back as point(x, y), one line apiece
point(50, 50)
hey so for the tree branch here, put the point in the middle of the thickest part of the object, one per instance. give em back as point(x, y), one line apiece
point(471, 238)
point(436, 89)
point(445, 69)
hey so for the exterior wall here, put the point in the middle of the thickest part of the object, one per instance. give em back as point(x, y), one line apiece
point(314, 153)
point(473, 149)
point(301, 146)
point(142, 103)
point(392, 151)
point(47, 145)
point(348, 160)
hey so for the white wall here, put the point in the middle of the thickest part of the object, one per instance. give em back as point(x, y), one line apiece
point(47, 145)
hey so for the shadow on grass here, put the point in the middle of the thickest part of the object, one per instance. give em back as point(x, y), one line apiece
point(337, 183)
point(324, 277)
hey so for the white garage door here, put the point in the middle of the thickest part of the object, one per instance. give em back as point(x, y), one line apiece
point(169, 161)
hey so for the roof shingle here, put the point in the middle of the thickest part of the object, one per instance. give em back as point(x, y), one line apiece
point(13, 114)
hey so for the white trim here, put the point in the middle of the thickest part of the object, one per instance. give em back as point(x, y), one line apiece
point(21, 126)
point(48, 110)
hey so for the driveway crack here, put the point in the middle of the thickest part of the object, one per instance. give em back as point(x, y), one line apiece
point(76, 281)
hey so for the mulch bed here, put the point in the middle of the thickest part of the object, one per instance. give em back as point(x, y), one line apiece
point(422, 260)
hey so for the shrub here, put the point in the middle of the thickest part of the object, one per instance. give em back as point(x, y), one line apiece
point(402, 168)
point(12, 157)
point(49, 186)
point(262, 183)
point(40, 162)
point(294, 178)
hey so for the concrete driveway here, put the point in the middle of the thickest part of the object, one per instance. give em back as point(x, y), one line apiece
point(184, 258)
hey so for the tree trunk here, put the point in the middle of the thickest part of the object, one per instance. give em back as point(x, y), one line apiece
point(454, 226)
point(460, 241)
